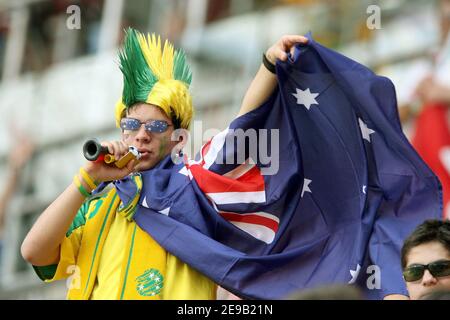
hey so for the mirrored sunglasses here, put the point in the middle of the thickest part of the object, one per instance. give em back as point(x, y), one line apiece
point(154, 126)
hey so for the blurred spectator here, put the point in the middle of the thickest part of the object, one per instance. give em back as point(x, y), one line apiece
point(37, 54)
point(92, 12)
point(21, 152)
point(432, 135)
point(3, 35)
point(425, 259)
point(217, 9)
point(174, 22)
point(44, 32)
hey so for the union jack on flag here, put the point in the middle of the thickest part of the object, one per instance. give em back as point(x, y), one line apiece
point(238, 188)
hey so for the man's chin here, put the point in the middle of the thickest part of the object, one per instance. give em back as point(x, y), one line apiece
point(145, 165)
point(424, 295)
point(148, 163)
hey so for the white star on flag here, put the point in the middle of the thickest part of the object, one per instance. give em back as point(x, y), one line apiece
point(354, 274)
point(306, 186)
point(365, 131)
point(144, 203)
point(305, 97)
point(165, 211)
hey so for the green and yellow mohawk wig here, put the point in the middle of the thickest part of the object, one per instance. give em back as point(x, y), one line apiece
point(155, 75)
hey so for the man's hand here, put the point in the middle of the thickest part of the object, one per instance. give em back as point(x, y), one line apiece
point(265, 82)
point(281, 47)
point(107, 172)
point(429, 90)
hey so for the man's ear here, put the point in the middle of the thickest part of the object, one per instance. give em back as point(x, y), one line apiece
point(181, 136)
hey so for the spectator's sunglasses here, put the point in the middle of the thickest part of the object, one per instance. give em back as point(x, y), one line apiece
point(414, 272)
point(154, 126)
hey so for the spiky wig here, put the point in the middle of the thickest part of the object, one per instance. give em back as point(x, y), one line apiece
point(155, 75)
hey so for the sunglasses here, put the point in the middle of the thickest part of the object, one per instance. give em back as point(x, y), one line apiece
point(437, 269)
point(154, 126)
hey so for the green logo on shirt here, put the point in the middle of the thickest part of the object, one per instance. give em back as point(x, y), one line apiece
point(150, 283)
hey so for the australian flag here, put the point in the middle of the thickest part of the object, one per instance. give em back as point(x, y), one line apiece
point(330, 200)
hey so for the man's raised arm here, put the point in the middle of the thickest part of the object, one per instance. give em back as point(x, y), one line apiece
point(265, 81)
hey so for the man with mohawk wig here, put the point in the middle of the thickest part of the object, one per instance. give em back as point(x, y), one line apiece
point(88, 233)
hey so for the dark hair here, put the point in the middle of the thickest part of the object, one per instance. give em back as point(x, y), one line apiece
point(429, 231)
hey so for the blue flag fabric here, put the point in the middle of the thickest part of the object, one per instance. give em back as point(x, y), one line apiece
point(347, 189)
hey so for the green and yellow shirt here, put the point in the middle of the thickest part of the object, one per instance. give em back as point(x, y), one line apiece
point(107, 255)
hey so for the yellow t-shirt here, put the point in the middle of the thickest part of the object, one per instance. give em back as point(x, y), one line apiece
point(121, 253)
point(113, 253)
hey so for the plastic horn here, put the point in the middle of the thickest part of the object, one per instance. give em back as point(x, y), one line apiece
point(132, 153)
point(109, 158)
point(94, 151)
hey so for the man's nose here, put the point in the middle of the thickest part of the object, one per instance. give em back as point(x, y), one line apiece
point(428, 279)
point(142, 135)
